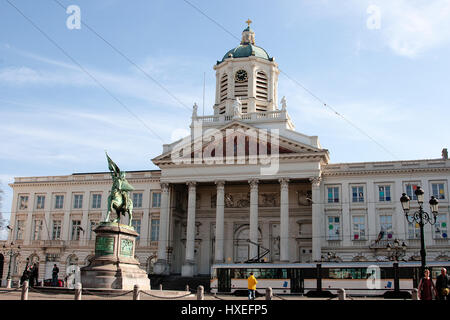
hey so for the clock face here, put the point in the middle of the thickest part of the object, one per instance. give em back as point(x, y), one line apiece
point(241, 76)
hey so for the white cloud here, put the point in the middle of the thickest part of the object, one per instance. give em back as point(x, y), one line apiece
point(412, 27)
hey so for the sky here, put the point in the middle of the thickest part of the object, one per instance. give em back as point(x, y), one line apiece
point(126, 80)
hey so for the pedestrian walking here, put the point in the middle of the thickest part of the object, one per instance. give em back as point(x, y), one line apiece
point(426, 287)
point(442, 285)
point(55, 272)
point(251, 286)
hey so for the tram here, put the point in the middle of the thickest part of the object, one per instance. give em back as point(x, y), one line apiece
point(357, 278)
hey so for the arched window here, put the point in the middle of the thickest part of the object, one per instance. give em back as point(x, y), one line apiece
point(223, 91)
point(262, 87)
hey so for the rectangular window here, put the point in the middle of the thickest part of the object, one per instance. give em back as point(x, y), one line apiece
point(37, 228)
point(410, 189)
point(359, 228)
point(334, 226)
point(358, 194)
point(386, 226)
point(137, 200)
point(440, 227)
point(156, 199)
point(438, 191)
point(23, 202)
point(413, 230)
point(40, 202)
point(155, 230)
point(78, 201)
point(96, 201)
point(76, 225)
point(384, 193)
point(59, 201)
point(56, 230)
point(137, 227)
point(92, 225)
point(333, 194)
point(19, 230)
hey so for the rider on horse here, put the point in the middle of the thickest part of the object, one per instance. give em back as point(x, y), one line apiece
point(119, 200)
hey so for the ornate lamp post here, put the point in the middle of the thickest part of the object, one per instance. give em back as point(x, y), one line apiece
point(396, 250)
point(12, 252)
point(420, 217)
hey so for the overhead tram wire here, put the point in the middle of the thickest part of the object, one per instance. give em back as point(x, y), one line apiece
point(129, 60)
point(300, 85)
point(83, 69)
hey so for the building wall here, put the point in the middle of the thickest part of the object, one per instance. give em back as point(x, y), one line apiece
point(369, 176)
point(45, 246)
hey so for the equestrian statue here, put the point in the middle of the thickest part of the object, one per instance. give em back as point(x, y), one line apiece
point(119, 200)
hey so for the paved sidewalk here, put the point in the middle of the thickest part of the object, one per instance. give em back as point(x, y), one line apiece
point(36, 294)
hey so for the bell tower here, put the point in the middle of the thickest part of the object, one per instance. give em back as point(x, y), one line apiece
point(248, 73)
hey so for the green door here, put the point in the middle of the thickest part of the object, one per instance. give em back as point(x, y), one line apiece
point(224, 279)
point(297, 281)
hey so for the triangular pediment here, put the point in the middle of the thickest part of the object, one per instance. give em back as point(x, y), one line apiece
point(238, 140)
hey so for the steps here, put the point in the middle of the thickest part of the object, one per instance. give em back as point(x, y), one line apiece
point(176, 282)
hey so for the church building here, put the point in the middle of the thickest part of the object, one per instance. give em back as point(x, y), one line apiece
point(243, 183)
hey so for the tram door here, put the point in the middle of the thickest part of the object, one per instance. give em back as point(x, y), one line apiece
point(224, 279)
point(297, 281)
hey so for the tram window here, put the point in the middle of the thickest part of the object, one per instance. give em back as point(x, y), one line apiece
point(405, 273)
point(347, 273)
point(310, 273)
point(245, 273)
point(435, 272)
point(387, 273)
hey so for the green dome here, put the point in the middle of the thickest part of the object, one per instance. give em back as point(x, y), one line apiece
point(247, 50)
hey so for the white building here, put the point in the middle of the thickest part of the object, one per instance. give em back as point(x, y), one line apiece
point(243, 174)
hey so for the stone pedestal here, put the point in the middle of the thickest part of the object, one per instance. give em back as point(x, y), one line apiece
point(114, 265)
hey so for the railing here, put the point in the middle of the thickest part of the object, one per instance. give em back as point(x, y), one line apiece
point(253, 117)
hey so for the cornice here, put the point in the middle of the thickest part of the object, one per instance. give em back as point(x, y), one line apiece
point(329, 173)
point(78, 182)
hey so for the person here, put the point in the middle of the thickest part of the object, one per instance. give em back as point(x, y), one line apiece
point(251, 286)
point(25, 275)
point(35, 275)
point(442, 283)
point(55, 272)
point(31, 275)
point(426, 287)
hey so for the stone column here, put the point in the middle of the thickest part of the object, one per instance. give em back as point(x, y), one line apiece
point(220, 206)
point(284, 220)
point(161, 266)
point(317, 221)
point(188, 269)
point(253, 216)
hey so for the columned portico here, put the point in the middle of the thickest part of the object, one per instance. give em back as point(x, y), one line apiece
point(188, 268)
point(284, 219)
point(161, 266)
point(253, 216)
point(220, 206)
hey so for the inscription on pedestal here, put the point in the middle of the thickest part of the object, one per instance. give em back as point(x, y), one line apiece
point(104, 246)
point(126, 247)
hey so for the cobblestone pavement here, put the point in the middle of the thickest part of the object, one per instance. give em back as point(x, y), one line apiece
point(37, 294)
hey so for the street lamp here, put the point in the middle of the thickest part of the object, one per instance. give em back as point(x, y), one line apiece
point(420, 217)
point(12, 252)
point(397, 251)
